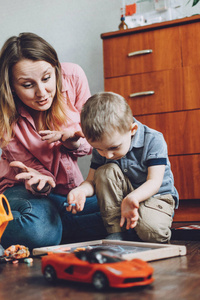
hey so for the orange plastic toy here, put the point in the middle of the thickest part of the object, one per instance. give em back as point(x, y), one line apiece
point(101, 268)
point(5, 214)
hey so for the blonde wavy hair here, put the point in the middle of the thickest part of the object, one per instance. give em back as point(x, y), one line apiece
point(105, 113)
point(27, 46)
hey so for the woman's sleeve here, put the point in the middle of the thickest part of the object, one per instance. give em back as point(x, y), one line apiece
point(78, 92)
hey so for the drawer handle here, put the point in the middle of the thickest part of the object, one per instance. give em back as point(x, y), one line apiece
point(147, 93)
point(141, 52)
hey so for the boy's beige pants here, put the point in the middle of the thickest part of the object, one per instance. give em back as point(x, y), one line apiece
point(155, 213)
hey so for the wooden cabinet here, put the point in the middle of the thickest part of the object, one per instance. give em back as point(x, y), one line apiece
point(157, 69)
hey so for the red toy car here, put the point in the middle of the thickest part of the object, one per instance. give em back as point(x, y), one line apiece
point(100, 267)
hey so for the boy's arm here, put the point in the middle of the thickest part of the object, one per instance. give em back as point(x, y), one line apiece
point(78, 195)
point(130, 204)
point(152, 185)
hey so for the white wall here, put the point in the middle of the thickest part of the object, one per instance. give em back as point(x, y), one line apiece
point(73, 27)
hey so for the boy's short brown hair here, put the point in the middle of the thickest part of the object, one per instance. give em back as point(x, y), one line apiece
point(104, 113)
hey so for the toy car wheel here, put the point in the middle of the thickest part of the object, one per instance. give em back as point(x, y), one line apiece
point(50, 274)
point(100, 281)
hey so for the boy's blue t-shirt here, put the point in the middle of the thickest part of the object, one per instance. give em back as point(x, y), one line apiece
point(148, 148)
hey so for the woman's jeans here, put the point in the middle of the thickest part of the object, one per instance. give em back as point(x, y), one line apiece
point(44, 221)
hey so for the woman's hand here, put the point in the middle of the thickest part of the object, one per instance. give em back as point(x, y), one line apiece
point(34, 179)
point(51, 136)
point(69, 138)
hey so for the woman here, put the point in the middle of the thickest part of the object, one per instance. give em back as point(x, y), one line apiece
point(41, 140)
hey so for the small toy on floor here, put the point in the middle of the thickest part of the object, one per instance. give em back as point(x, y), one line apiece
point(15, 253)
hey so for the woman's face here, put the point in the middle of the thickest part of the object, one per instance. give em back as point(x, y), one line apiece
point(34, 82)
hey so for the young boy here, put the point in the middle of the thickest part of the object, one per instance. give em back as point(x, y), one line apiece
point(130, 172)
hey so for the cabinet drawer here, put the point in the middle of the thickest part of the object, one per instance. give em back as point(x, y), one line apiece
point(186, 170)
point(191, 87)
point(165, 55)
point(190, 41)
point(167, 87)
point(180, 129)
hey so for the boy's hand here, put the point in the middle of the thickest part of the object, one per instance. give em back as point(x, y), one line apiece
point(76, 196)
point(129, 212)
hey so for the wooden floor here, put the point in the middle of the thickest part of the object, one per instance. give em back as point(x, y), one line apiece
point(175, 279)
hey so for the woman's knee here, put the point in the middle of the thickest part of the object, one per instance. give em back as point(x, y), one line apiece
point(36, 223)
point(47, 229)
